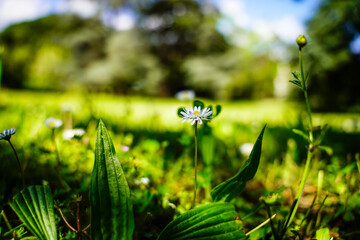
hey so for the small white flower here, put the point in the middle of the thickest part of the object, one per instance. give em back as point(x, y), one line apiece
point(145, 180)
point(71, 133)
point(185, 95)
point(196, 114)
point(53, 122)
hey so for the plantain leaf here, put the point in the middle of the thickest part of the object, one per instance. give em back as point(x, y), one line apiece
point(232, 187)
point(110, 205)
point(35, 208)
point(215, 221)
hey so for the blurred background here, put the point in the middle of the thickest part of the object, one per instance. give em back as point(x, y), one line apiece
point(218, 49)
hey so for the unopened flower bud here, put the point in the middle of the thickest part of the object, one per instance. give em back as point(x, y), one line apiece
point(301, 41)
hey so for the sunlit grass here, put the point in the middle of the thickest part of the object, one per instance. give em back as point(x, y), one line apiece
point(157, 113)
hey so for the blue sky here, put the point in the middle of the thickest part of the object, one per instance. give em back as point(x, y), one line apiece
point(283, 18)
point(271, 10)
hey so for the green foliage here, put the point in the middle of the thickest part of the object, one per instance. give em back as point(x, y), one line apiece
point(198, 103)
point(323, 234)
point(110, 203)
point(301, 134)
point(34, 206)
point(1, 53)
point(333, 65)
point(213, 221)
point(155, 147)
point(235, 185)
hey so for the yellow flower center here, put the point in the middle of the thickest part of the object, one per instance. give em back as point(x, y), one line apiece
point(52, 124)
point(196, 112)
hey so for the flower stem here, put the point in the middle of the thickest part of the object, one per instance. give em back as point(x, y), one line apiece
point(261, 225)
point(304, 84)
point(58, 167)
point(301, 188)
point(20, 167)
point(195, 166)
point(310, 148)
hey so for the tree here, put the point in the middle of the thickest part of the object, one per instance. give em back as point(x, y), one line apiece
point(177, 30)
point(334, 69)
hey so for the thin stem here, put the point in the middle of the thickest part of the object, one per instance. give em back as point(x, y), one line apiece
point(63, 217)
point(195, 166)
point(58, 167)
point(304, 84)
point(20, 167)
point(311, 147)
point(5, 219)
point(261, 225)
point(271, 222)
point(86, 228)
point(13, 231)
point(311, 137)
point(78, 218)
point(301, 188)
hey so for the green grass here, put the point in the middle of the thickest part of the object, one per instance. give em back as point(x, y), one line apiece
point(146, 112)
point(161, 149)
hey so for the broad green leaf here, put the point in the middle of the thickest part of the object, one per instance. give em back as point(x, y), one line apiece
point(323, 234)
point(301, 134)
point(235, 185)
point(215, 221)
point(110, 204)
point(35, 208)
point(198, 103)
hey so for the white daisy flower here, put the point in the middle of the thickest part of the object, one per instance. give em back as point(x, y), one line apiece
point(196, 114)
point(72, 133)
point(53, 123)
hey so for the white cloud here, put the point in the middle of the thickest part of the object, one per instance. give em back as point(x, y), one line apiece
point(235, 10)
point(288, 28)
point(263, 28)
point(14, 11)
point(83, 8)
point(122, 22)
